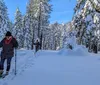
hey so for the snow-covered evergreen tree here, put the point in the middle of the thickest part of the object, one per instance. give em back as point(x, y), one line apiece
point(18, 29)
point(68, 36)
point(3, 19)
point(10, 26)
point(86, 20)
point(36, 21)
point(55, 35)
point(42, 15)
point(30, 25)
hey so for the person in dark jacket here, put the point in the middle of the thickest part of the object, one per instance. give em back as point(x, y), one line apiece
point(8, 44)
point(37, 44)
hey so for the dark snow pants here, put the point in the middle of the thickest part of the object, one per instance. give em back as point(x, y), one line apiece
point(8, 63)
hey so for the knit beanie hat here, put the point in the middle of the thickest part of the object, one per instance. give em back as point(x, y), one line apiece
point(8, 33)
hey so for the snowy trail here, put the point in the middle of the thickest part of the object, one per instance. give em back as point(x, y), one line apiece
point(51, 68)
point(24, 59)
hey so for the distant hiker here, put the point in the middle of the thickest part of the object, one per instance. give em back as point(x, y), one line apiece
point(37, 45)
point(87, 45)
point(95, 48)
point(8, 44)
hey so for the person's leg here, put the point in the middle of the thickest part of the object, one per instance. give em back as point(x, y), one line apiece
point(36, 49)
point(8, 64)
point(2, 65)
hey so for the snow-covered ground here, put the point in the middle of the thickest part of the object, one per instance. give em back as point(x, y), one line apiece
point(55, 68)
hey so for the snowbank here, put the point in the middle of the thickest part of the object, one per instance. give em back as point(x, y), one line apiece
point(23, 49)
point(78, 51)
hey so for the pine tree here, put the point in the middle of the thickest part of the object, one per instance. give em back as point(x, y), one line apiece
point(43, 18)
point(18, 29)
point(3, 19)
point(30, 24)
point(10, 26)
point(53, 37)
point(37, 16)
point(87, 13)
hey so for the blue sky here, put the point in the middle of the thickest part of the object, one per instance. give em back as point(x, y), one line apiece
point(62, 9)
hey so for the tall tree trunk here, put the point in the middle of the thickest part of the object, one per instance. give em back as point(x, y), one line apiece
point(41, 41)
point(32, 46)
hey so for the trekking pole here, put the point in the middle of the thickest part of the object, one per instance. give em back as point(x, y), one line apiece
point(15, 62)
point(34, 53)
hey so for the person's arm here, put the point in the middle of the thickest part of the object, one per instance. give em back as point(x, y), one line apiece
point(34, 43)
point(1, 43)
point(15, 43)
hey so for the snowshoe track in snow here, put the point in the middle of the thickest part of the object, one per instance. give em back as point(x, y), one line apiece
point(24, 60)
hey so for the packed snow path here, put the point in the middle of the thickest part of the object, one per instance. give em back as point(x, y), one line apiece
point(51, 68)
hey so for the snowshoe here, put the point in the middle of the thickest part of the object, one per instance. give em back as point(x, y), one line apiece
point(4, 75)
